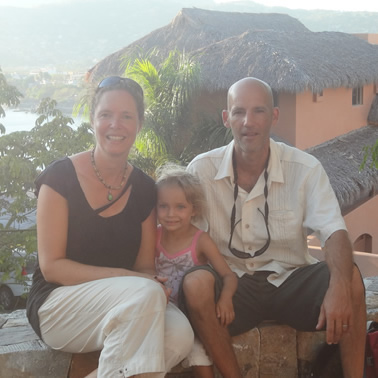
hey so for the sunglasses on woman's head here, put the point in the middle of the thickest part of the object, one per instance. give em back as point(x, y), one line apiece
point(113, 81)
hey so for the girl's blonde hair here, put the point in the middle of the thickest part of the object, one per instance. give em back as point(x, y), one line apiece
point(174, 174)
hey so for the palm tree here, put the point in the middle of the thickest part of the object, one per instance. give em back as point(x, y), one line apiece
point(168, 91)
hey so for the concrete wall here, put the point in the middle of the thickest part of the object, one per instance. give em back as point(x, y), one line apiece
point(286, 127)
point(307, 120)
point(366, 262)
point(364, 220)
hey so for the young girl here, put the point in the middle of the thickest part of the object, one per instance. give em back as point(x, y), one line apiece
point(180, 246)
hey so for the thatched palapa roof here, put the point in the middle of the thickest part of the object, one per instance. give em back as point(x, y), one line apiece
point(290, 61)
point(273, 47)
point(193, 29)
point(341, 157)
point(373, 113)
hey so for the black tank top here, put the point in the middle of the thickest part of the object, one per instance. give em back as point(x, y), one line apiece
point(92, 239)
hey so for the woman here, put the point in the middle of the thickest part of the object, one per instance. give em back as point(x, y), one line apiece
point(96, 287)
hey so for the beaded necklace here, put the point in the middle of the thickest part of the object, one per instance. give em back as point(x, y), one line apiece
point(107, 186)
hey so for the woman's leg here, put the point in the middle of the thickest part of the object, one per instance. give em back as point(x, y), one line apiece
point(123, 316)
point(179, 336)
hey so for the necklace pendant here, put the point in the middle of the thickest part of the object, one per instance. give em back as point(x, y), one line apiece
point(109, 187)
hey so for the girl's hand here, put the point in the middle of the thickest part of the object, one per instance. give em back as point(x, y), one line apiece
point(162, 280)
point(225, 311)
point(159, 279)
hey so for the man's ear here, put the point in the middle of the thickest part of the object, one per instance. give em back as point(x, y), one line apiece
point(276, 113)
point(225, 118)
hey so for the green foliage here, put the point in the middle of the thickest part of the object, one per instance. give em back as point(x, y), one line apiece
point(82, 107)
point(23, 155)
point(168, 90)
point(209, 133)
point(372, 153)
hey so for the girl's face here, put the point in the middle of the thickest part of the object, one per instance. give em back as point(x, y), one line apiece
point(173, 210)
point(116, 122)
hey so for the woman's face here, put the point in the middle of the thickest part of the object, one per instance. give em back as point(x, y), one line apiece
point(116, 122)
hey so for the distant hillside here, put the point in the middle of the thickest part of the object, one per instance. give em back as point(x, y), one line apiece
point(76, 36)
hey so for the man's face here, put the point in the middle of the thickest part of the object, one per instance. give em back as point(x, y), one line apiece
point(250, 116)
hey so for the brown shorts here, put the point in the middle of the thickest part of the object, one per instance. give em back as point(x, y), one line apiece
point(296, 302)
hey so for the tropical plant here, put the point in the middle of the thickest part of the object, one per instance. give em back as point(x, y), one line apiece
point(209, 133)
point(372, 153)
point(168, 89)
point(23, 155)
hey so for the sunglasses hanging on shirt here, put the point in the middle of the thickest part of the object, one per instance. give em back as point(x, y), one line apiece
point(234, 251)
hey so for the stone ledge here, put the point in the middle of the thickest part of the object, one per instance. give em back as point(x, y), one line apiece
point(261, 352)
point(268, 351)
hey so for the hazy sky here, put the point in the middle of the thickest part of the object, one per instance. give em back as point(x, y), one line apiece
point(343, 5)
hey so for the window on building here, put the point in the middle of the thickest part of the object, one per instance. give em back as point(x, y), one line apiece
point(357, 96)
point(363, 243)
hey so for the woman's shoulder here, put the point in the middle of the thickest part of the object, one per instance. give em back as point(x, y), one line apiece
point(56, 174)
point(56, 167)
point(143, 183)
point(63, 163)
point(140, 177)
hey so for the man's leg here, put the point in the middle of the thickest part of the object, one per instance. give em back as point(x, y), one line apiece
point(198, 287)
point(303, 293)
point(203, 371)
point(352, 344)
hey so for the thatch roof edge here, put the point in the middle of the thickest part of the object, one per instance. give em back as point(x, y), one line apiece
point(341, 157)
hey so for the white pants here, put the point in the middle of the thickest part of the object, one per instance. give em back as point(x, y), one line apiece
point(197, 356)
point(125, 317)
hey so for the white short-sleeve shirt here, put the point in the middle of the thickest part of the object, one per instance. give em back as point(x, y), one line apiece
point(301, 201)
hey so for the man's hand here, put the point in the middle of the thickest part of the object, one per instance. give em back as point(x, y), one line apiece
point(336, 311)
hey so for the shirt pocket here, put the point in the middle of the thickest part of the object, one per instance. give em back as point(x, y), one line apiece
point(285, 228)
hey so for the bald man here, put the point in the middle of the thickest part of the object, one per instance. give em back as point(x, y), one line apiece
point(264, 199)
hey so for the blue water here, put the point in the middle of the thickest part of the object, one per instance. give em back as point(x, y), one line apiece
point(24, 121)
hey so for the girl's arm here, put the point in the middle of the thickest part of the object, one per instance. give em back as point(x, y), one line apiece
point(224, 306)
point(145, 262)
point(52, 229)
